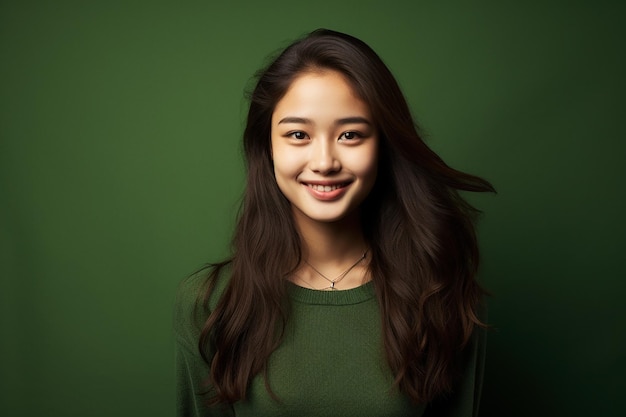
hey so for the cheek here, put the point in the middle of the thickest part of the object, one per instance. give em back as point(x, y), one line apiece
point(288, 161)
point(282, 165)
point(370, 171)
point(285, 168)
point(365, 164)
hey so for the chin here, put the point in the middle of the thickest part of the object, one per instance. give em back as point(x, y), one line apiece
point(330, 217)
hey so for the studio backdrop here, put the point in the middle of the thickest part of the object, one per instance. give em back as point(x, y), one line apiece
point(121, 173)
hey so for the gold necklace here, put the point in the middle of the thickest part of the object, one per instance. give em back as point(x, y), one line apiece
point(340, 276)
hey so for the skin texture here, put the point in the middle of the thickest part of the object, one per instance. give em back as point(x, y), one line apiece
point(325, 154)
point(323, 135)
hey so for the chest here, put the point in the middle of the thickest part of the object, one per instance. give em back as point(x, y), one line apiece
point(331, 363)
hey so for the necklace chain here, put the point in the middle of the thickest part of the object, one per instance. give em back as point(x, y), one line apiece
point(340, 276)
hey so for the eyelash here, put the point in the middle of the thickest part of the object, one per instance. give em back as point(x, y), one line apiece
point(355, 135)
point(293, 135)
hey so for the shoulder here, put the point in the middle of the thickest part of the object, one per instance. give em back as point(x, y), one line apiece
point(190, 308)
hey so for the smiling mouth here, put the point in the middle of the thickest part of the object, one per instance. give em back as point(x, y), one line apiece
point(326, 188)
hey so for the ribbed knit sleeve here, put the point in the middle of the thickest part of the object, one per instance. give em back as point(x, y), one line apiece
point(465, 399)
point(191, 370)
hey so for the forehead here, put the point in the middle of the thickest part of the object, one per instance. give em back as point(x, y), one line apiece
point(323, 93)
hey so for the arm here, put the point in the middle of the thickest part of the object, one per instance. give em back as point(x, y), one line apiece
point(191, 370)
point(465, 399)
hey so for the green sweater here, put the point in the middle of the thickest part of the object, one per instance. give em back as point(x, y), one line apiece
point(330, 363)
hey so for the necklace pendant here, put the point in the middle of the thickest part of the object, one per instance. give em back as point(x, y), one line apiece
point(341, 276)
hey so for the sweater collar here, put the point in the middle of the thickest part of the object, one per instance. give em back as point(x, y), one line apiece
point(342, 297)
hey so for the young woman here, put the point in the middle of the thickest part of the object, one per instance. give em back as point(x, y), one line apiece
point(351, 288)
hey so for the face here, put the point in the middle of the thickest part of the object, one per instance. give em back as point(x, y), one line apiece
point(324, 147)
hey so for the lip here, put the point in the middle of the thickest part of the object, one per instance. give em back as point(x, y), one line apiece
point(333, 194)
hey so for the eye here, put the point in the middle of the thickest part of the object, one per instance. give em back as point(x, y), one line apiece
point(299, 135)
point(349, 136)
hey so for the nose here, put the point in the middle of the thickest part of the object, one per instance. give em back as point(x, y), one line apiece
point(323, 158)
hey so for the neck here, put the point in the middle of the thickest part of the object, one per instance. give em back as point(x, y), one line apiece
point(331, 248)
point(333, 242)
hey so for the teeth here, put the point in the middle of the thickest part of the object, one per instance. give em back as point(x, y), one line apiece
point(324, 188)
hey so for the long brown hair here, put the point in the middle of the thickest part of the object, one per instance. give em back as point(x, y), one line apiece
point(424, 252)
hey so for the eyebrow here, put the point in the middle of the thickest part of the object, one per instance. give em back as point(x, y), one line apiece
point(343, 121)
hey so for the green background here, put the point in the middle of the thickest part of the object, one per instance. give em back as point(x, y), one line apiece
point(120, 173)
